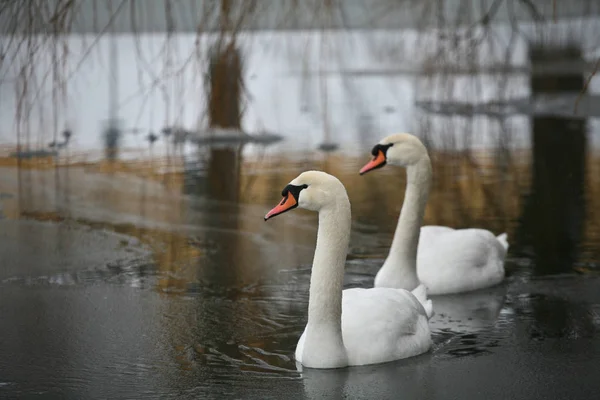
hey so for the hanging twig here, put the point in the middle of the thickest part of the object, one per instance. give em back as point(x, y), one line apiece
point(585, 85)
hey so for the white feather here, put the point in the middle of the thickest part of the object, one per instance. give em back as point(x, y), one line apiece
point(353, 326)
point(445, 260)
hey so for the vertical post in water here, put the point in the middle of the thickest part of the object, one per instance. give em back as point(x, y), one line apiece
point(554, 213)
point(223, 91)
point(224, 109)
point(112, 132)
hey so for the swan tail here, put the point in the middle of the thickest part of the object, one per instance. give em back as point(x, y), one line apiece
point(503, 239)
point(421, 294)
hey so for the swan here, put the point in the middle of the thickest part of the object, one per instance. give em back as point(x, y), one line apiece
point(445, 260)
point(353, 326)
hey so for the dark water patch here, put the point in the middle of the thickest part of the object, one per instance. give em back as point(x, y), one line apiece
point(544, 317)
point(572, 288)
point(32, 248)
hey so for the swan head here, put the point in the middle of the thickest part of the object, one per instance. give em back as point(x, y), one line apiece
point(402, 149)
point(311, 190)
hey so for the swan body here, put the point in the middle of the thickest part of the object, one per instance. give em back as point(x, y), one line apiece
point(460, 260)
point(381, 325)
point(353, 326)
point(445, 260)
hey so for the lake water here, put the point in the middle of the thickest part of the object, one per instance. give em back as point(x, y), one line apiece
point(120, 283)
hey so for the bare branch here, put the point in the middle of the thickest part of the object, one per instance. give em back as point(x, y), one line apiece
point(586, 85)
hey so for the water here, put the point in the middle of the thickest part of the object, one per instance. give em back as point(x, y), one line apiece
point(120, 284)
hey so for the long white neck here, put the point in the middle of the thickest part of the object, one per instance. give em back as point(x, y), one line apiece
point(323, 342)
point(400, 268)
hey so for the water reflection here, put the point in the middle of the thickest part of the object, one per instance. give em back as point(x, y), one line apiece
point(559, 146)
point(409, 378)
point(213, 213)
point(557, 194)
point(231, 291)
point(468, 312)
point(224, 173)
point(558, 307)
point(223, 185)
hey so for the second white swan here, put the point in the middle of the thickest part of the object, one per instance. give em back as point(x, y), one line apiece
point(354, 326)
point(445, 260)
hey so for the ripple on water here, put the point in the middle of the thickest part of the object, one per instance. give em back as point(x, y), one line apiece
point(235, 358)
point(135, 273)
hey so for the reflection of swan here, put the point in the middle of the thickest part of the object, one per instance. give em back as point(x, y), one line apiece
point(409, 378)
point(468, 312)
point(448, 260)
point(376, 325)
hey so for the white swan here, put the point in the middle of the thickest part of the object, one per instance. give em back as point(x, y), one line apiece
point(445, 260)
point(353, 326)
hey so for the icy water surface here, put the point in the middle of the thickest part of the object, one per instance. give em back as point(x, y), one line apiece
point(123, 285)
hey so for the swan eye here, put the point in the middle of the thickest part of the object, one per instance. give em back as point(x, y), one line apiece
point(380, 147)
point(293, 189)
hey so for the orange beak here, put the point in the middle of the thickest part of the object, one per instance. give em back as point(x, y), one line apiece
point(289, 202)
point(377, 162)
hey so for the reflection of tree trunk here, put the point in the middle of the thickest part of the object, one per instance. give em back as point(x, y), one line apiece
point(554, 213)
point(223, 175)
point(555, 318)
point(558, 191)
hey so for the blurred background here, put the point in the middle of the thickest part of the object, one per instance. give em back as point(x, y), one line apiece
point(141, 143)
